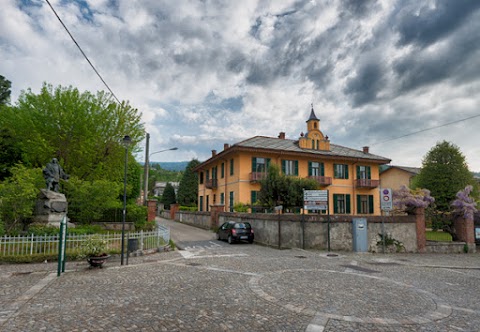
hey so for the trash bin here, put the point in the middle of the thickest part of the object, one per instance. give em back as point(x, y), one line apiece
point(360, 235)
point(132, 245)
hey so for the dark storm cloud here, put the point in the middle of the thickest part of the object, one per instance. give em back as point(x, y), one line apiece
point(429, 25)
point(368, 81)
point(457, 59)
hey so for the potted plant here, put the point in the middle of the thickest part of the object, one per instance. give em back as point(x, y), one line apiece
point(94, 249)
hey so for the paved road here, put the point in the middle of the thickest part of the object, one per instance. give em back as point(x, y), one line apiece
point(186, 236)
point(244, 287)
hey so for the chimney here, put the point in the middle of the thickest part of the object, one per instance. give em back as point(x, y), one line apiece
point(281, 135)
point(214, 153)
point(225, 146)
point(365, 149)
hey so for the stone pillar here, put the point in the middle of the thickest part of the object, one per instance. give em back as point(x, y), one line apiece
point(465, 231)
point(421, 232)
point(152, 210)
point(173, 210)
point(215, 209)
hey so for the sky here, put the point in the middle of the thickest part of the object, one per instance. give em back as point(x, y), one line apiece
point(204, 73)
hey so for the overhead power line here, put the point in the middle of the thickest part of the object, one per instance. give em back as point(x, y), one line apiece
point(83, 53)
point(427, 129)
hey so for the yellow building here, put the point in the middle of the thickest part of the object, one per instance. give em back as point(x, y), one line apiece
point(351, 176)
point(396, 176)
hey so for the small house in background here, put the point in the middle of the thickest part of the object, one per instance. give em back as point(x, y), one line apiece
point(160, 187)
point(396, 176)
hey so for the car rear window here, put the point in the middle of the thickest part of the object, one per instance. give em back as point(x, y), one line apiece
point(242, 225)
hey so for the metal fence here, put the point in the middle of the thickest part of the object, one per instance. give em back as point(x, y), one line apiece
point(48, 244)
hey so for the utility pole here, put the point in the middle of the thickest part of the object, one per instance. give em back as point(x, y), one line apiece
point(145, 188)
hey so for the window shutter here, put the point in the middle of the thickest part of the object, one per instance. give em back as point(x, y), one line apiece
point(322, 169)
point(283, 166)
point(358, 172)
point(253, 197)
point(359, 204)
point(346, 171)
point(335, 172)
point(268, 164)
point(370, 203)
point(347, 203)
point(309, 168)
point(296, 167)
point(254, 164)
point(335, 203)
point(369, 174)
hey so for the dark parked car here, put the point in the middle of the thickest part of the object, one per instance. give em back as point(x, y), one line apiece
point(235, 231)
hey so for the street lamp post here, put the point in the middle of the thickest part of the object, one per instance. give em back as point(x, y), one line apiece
point(147, 166)
point(125, 142)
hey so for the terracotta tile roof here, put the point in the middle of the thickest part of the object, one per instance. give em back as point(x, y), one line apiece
point(271, 143)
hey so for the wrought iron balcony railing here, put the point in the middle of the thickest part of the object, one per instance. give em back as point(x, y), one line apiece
point(257, 176)
point(322, 180)
point(367, 183)
point(211, 183)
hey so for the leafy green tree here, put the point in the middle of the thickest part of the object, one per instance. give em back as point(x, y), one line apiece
point(444, 172)
point(10, 152)
point(168, 196)
point(134, 175)
point(88, 200)
point(5, 86)
point(278, 189)
point(188, 186)
point(18, 195)
point(82, 130)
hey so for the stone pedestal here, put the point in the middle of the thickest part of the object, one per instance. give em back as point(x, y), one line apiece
point(50, 208)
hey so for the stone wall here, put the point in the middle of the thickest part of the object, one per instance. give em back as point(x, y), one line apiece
point(197, 219)
point(311, 231)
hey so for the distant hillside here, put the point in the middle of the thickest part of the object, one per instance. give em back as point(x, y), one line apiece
point(173, 166)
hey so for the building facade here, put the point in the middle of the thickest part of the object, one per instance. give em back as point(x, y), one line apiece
point(350, 176)
point(395, 177)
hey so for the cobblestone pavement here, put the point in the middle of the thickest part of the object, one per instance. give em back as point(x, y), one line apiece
point(246, 287)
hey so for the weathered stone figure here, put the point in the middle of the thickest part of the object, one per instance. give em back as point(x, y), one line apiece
point(52, 173)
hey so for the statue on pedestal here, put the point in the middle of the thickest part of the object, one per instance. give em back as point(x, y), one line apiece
point(51, 206)
point(52, 173)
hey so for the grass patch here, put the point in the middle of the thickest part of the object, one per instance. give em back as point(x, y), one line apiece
point(438, 236)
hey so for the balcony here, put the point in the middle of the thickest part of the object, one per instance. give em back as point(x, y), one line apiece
point(321, 180)
point(367, 183)
point(258, 176)
point(211, 183)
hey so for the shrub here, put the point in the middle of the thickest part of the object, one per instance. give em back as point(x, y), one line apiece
point(408, 200)
point(464, 205)
point(187, 208)
point(240, 207)
point(86, 229)
point(43, 230)
point(390, 242)
point(136, 213)
point(94, 246)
